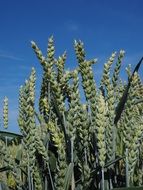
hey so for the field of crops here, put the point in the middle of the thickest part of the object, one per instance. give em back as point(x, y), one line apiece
point(69, 144)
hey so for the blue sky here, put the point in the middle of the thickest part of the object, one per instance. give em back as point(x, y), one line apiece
point(103, 25)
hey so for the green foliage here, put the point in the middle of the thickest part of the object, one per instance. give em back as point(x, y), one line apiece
point(66, 143)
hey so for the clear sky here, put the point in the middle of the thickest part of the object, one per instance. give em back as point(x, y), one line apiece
point(103, 25)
